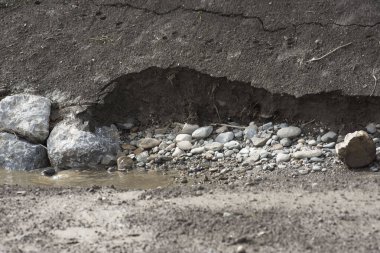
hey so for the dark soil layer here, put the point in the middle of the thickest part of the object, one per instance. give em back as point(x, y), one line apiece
point(78, 47)
point(160, 95)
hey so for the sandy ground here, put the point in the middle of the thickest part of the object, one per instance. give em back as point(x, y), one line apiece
point(313, 213)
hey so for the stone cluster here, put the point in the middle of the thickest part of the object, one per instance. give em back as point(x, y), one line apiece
point(267, 147)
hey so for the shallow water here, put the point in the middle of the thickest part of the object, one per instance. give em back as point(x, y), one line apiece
point(85, 178)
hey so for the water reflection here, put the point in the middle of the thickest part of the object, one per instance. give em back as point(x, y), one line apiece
point(86, 178)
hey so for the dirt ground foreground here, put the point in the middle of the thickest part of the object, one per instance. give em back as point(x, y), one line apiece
point(314, 213)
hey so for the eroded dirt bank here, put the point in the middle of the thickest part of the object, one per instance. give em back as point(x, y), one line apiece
point(70, 50)
point(333, 212)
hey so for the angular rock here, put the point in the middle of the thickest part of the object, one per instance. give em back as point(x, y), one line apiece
point(184, 145)
point(71, 145)
point(251, 159)
point(250, 131)
point(178, 152)
point(289, 132)
point(189, 128)
point(183, 137)
point(329, 137)
point(357, 150)
point(202, 132)
point(26, 115)
point(258, 142)
point(148, 143)
point(225, 137)
point(307, 153)
point(215, 146)
point(17, 154)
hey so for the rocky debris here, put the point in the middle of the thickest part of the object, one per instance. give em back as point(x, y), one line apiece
point(18, 154)
point(189, 128)
point(72, 145)
point(202, 132)
point(26, 115)
point(250, 131)
point(183, 137)
point(148, 143)
point(49, 172)
point(185, 145)
point(225, 137)
point(282, 158)
point(214, 146)
point(289, 132)
point(124, 163)
point(357, 150)
point(286, 142)
point(307, 154)
point(178, 152)
point(329, 137)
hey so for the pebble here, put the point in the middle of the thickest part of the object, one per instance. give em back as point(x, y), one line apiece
point(259, 141)
point(148, 143)
point(250, 131)
point(178, 152)
point(189, 128)
point(317, 168)
point(198, 150)
point(185, 145)
point(286, 142)
point(221, 129)
point(277, 146)
point(329, 145)
point(371, 128)
point(316, 159)
point(48, 172)
point(228, 153)
point(267, 126)
point(202, 132)
point(312, 142)
point(183, 137)
point(329, 137)
point(214, 146)
point(232, 145)
point(225, 137)
point(303, 171)
point(289, 132)
point(282, 158)
point(240, 249)
point(219, 155)
point(142, 157)
point(239, 134)
point(124, 163)
point(307, 153)
point(251, 159)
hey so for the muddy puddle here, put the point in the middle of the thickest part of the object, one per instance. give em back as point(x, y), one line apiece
point(140, 180)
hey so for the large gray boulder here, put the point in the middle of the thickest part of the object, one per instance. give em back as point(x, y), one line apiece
point(26, 115)
point(357, 150)
point(18, 154)
point(72, 145)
